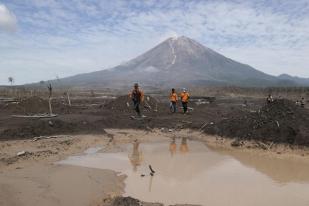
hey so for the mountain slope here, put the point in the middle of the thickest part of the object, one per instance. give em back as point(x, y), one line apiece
point(298, 80)
point(176, 62)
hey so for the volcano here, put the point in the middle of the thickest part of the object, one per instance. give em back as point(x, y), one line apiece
point(176, 62)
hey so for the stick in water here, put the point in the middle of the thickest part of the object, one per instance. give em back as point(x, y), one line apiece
point(152, 171)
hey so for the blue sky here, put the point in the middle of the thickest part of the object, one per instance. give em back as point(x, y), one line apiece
point(42, 39)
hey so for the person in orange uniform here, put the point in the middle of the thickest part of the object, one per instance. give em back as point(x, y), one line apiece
point(173, 99)
point(137, 96)
point(184, 96)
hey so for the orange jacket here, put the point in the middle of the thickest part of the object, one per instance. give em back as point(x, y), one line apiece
point(184, 96)
point(173, 97)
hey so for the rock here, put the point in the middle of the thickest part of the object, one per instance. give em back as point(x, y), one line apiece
point(236, 143)
point(164, 130)
point(125, 201)
point(22, 153)
point(50, 123)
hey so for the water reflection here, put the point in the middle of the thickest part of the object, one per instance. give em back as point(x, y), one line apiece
point(173, 146)
point(184, 146)
point(203, 176)
point(136, 157)
point(150, 183)
point(282, 171)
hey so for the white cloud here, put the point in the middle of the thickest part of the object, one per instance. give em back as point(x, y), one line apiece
point(7, 19)
point(70, 37)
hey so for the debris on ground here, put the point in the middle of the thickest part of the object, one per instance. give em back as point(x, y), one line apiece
point(129, 201)
point(236, 143)
point(125, 201)
point(43, 137)
point(22, 153)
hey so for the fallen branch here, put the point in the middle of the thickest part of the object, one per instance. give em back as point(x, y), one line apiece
point(42, 137)
point(35, 116)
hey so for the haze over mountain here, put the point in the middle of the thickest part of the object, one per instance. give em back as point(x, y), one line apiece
point(299, 80)
point(176, 62)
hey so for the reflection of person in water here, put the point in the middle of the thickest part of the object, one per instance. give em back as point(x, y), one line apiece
point(183, 146)
point(136, 157)
point(173, 146)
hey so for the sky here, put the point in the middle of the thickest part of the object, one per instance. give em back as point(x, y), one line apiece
point(45, 39)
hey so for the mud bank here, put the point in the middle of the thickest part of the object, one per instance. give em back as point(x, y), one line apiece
point(279, 122)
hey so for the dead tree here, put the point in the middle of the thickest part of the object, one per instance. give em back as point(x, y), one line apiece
point(50, 90)
point(68, 97)
point(11, 80)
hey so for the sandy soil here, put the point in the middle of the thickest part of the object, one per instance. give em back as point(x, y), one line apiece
point(34, 179)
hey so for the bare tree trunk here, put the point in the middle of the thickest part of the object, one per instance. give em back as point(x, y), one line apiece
point(68, 96)
point(50, 89)
point(50, 106)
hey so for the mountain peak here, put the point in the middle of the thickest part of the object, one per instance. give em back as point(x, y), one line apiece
point(179, 61)
point(179, 38)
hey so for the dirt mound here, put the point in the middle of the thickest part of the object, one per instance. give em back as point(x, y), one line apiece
point(281, 121)
point(124, 104)
point(31, 105)
point(35, 105)
point(42, 127)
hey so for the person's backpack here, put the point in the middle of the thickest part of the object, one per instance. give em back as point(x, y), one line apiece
point(136, 95)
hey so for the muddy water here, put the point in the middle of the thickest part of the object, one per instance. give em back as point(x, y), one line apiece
point(190, 172)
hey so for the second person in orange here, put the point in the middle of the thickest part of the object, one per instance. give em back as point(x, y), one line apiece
point(184, 96)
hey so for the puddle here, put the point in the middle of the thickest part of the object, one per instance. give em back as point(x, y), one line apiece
point(190, 172)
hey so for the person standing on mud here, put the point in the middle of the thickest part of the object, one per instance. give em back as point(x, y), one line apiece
point(173, 99)
point(137, 97)
point(184, 96)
